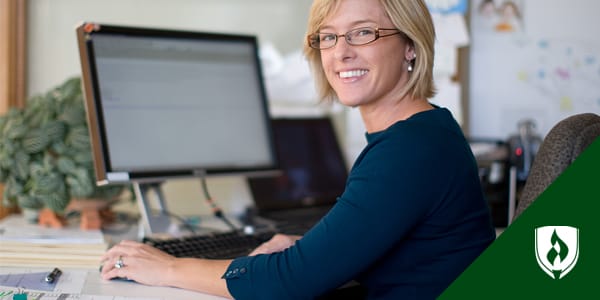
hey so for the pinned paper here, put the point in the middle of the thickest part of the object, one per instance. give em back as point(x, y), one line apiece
point(447, 6)
point(451, 29)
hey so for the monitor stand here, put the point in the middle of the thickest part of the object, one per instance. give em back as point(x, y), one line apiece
point(153, 220)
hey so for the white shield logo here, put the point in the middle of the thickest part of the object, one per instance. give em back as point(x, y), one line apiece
point(556, 249)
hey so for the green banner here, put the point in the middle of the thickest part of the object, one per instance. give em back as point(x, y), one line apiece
point(552, 250)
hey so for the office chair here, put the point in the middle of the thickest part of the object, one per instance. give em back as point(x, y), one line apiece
point(565, 141)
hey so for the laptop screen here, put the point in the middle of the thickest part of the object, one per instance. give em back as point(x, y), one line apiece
point(313, 167)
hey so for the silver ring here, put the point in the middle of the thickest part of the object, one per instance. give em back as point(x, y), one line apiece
point(119, 264)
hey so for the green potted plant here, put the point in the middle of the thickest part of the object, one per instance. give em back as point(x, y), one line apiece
point(45, 153)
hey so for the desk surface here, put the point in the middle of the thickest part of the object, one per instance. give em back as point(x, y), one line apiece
point(489, 151)
point(83, 282)
point(87, 284)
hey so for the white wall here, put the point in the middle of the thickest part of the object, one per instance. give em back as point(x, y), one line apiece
point(52, 47)
point(53, 55)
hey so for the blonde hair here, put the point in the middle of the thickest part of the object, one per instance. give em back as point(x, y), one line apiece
point(409, 16)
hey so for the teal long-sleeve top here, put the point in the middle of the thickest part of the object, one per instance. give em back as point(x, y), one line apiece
point(411, 219)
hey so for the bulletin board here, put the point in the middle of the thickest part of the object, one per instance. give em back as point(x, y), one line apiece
point(532, 59)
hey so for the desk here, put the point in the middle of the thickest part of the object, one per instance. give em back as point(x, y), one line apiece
point(94, 287)
point(496, 177)
point(83, 282)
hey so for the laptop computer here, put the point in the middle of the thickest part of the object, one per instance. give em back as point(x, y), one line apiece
point(313, 174)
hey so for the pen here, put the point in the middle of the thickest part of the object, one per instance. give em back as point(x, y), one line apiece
point(52, 276)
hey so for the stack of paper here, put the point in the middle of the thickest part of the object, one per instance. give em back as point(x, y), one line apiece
point(24, 244)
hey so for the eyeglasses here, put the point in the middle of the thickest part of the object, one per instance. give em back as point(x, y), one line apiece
point(354, 37)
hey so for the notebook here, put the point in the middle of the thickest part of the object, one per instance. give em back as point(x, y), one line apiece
point(313, 174)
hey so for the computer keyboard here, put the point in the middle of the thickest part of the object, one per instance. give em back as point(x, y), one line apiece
point(220, 245)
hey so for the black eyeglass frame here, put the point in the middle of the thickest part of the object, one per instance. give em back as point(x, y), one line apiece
point(311, 37)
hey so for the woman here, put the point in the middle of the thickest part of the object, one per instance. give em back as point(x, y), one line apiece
point(412, 217)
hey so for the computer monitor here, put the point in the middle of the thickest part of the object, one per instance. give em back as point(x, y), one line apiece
point(313, 168)
point(164, 104)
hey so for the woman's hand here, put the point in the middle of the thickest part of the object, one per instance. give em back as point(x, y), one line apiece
point(136, 261)
point(278, 242)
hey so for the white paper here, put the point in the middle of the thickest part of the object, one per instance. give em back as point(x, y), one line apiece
point(448, 96)
point(445, 61)
point(451, 29)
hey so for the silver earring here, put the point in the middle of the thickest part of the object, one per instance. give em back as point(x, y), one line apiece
point(411, 62)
